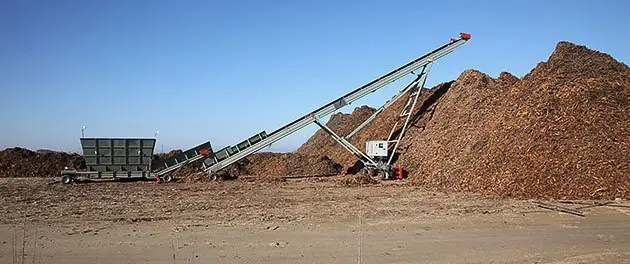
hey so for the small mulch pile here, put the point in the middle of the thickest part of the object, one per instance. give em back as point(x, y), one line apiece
point(354, 180)
point(267, 166)
point(21, 162)
point(285, 164)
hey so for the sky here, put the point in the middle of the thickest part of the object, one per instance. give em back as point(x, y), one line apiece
point(226, 70)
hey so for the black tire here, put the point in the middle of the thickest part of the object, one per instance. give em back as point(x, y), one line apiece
point(214, 177)
point(167, 178)
point(67, 179)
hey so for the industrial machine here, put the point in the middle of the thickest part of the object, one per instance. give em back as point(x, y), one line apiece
point(379, 160)
point(132, 157)
point(111, 158)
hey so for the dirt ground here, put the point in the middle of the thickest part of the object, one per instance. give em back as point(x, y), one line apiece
point(297, 221)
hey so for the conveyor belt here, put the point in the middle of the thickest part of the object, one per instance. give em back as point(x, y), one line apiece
point(164, 166)
point(232, 154)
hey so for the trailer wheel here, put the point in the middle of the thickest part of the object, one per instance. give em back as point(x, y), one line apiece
point(214, 177)
point(167, 178)
point(384, 175)
point(67, 179)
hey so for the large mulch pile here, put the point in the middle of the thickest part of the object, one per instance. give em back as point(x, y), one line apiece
point(20, 162)
point(560, 132)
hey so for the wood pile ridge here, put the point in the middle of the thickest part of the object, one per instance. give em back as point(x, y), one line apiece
point(285, 164)
point(560, 132)
point(170, 154)
point(267, 166)
point(21, 162)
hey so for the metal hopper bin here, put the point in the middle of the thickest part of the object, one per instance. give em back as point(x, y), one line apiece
point(113, 158)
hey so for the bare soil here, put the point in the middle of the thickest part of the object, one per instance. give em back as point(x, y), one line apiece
point(313, 220)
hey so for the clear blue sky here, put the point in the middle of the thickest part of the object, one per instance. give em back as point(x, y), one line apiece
point(225, 70)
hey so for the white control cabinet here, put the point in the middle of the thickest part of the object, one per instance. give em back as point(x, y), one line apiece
point(376, 148)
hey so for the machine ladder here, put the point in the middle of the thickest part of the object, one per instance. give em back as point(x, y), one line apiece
point(400, 127)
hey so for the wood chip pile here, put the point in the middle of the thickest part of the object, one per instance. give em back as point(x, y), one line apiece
point(560, 132)
point(20, 162)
